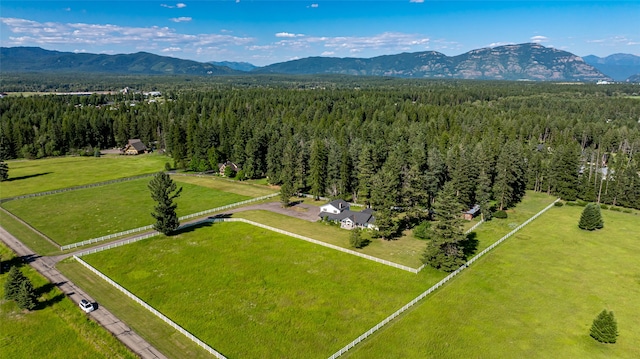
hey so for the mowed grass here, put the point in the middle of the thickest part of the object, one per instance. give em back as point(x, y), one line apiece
point(57, 329)
point(405, 250)
point(33, 176)
point(535, 296)
point(253, 293)
point(225, 185)
point(79, 215)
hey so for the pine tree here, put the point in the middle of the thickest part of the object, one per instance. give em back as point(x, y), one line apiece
point(591, 218)
point(12, 285)
point(444, 251)
point(356, 239)
point(4, 170)
point(26, 296)
point(318, 168)
point(164, 191)
point(604, 328)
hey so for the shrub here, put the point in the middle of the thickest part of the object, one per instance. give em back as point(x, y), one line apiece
point(591, 218)
point(422, 230)
point(167, 166)
point(581, 203)
point(627, 210)
point(604, 206)
point(500, 214)
point(604, 328)
point(558, 204)
point(616, 209)
point(571, 204)
point(356, 239)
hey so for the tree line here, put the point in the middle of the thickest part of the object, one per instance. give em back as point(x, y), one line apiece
point(389, 144)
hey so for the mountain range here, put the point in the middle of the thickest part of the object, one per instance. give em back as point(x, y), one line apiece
point(531, 61)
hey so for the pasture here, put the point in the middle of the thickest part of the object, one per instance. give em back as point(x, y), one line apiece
point(33, 176)
point(253, 293)
point(535, 296)
point(56, 329)
point(79, 215)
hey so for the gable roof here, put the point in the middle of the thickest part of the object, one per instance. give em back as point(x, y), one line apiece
point(473, 210)
point(339, 203)
point(137, 145)
point(359, 218)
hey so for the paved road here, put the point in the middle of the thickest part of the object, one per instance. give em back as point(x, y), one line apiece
point(46, 266)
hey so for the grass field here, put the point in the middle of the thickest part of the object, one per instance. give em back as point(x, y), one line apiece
point(33, 176)
point(79, 215)
point(225, 185)
point(535, 296)
point(58, 329)
point(252, 293)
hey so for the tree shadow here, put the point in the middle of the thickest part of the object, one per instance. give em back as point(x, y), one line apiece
point(192, 227)
point(49, 302)
point(28, 176)
point(470, 244)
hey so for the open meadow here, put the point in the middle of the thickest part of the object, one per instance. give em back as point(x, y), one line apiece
point(56, 329)
point(83, 214)
point(33, 176)
point(535, 296)
point(253, 293)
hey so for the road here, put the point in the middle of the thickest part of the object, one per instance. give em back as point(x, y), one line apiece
point(46, 267)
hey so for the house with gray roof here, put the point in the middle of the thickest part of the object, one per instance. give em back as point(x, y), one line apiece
point(340, 211)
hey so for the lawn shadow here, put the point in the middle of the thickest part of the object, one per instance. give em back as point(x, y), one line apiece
point(470, 244)
point(27, 176)
point(47, 288)
point(192, 227)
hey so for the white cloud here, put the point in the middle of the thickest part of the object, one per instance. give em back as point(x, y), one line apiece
point(178, 5)
point(287, 34)
point(499, 43)
point(539, 39)
point(171, 49)
point(314, 6)
point(417, 1)
point(28, 32)
point(67, 9)
point(181, 19)
point(328, 53)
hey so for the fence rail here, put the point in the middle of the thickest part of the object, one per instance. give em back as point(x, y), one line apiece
point(152, 310)
point(314, 241)
point(150, 227)
point(99, 184)
point(434, 287)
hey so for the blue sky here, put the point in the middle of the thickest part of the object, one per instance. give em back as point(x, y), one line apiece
point(265, 32)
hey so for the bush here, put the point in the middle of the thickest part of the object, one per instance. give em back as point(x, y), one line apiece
point(581, 203)
point(558, 204)
point(604, 328)
point(167, 166)
point(604, 206)
point(356, 239)
point(500, 214)
point(627, 210)
point(421, 231)
point(616, 209)
point(571, 204)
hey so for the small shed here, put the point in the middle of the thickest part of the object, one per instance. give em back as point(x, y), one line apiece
point(135, 147)
point(223, 166)
point(474, 211)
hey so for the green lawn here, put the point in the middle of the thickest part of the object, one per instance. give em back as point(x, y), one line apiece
point(58, 329)
point(220, 184)
point(535, 296)
point(33, 176)
point(30, 238)
point(79, 215)
point(252, 293)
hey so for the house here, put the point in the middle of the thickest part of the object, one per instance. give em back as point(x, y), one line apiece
point(474, 211)
point(339, 211)
point(222, 167)
point(134, 147)
point(335, 206)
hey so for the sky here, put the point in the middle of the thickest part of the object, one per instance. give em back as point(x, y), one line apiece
point(263, 32)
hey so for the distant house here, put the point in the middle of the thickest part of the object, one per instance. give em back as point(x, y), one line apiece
point(474, 211)
point(134, 147)
point(339, 211)
point(222, 167)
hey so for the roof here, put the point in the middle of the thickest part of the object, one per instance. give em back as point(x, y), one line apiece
point(137, 144)
point(359, 218)
point(473, 210)
point(228, 164)
point(339, 203)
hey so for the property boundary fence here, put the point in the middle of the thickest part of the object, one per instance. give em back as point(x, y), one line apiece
point(434, 287)
point(150, 227)
point(151, 309)
point(314, 241)
point(99, 184)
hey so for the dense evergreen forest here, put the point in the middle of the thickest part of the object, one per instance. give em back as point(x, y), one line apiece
point(381, 142)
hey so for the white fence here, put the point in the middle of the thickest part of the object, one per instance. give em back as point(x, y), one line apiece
point(152, 310)
point(150, 227)
point(434, 287)
point(366, 256)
